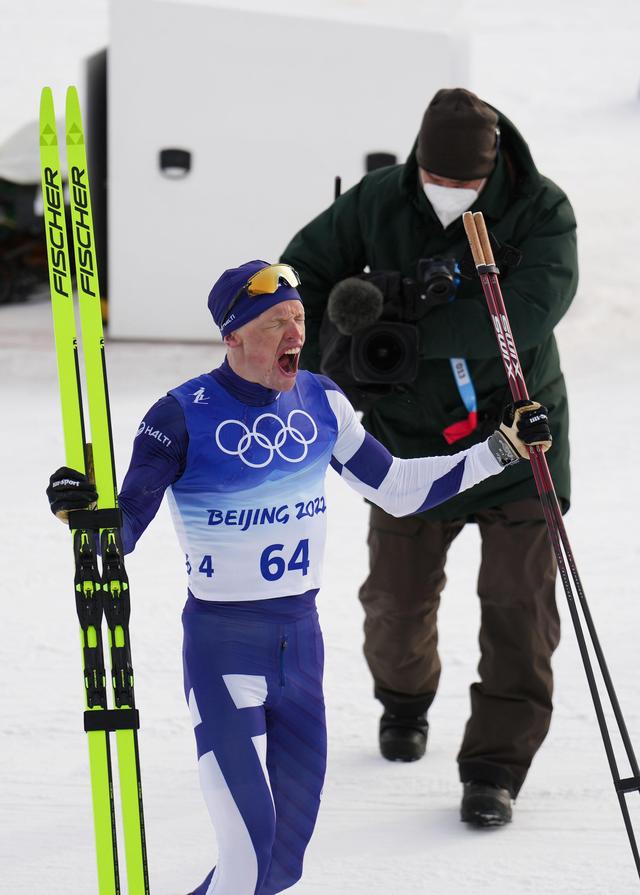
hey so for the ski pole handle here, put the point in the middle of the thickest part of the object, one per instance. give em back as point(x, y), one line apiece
point(483, 235)
point(470, 226)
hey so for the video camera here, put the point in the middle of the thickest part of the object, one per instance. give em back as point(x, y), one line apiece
point(369, 339)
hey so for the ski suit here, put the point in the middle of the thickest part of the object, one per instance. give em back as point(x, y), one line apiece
point(245, 467)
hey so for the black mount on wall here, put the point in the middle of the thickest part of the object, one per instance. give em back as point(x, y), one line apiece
point(174, 163)
point(375, 160)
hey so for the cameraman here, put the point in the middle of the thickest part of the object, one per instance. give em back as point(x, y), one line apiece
point(467, 155)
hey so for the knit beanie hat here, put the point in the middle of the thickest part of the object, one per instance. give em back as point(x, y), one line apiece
point(247, 307)
point(459, 136)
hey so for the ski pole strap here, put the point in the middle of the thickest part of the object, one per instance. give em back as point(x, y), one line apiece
point(94, 520)
point(112, 719)
point(628, 784)
point(465, 385)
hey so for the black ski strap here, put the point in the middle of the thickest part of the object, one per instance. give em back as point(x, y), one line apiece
point(628, 784)
point(94, 520)
point(112, 719)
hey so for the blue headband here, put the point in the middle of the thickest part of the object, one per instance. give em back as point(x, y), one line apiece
point(247, 307)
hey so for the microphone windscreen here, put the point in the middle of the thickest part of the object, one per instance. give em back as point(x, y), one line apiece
point(353, 304)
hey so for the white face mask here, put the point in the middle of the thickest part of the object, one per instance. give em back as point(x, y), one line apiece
point(449, 202)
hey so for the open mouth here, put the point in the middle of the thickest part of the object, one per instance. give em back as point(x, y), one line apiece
point(288, 362)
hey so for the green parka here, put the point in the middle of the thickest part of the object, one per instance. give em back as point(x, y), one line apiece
point(387, 223)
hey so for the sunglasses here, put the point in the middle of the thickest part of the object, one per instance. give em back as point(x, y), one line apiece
point(265, 282)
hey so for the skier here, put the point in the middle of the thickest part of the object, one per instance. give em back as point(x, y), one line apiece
point(242, 452)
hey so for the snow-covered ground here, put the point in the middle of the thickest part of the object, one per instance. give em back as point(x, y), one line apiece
point(567, 74)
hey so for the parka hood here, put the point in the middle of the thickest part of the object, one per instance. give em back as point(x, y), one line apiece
point(523, 172)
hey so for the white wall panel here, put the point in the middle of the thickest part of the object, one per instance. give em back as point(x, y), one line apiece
point(271, 107)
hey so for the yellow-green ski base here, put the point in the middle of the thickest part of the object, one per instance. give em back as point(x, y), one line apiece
point(102, 797)
point(75, 457)
point(131, 796)
point(89, 302)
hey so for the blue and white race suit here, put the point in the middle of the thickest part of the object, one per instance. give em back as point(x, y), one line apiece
point(245, 468)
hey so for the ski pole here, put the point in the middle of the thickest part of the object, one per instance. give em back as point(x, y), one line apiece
point(478, 236)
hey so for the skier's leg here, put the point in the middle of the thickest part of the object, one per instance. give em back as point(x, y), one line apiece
point(226, 685)
point(296, 752)
point(520, 629)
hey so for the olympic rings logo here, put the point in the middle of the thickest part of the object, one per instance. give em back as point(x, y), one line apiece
point(269, 433)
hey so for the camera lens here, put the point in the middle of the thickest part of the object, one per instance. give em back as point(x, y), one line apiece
point(383, 353)
point(440, 286)
point(437, 277)
point(386, 352)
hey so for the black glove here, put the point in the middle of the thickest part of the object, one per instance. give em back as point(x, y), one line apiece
point(70, 490)
point(506, 257)
point(526, 423)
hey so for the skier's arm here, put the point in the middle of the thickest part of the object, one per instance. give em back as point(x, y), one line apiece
point(403, 487)
point(157, 461)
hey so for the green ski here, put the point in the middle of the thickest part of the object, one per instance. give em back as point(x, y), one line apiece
point(87, 578)
point(105, 591)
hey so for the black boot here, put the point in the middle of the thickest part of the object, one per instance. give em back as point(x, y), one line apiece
point(403, 738)
point(485, 804)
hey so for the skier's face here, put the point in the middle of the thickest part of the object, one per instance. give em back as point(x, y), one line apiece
point(267, 349)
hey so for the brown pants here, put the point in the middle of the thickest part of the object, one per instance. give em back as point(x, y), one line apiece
point(519, 630)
